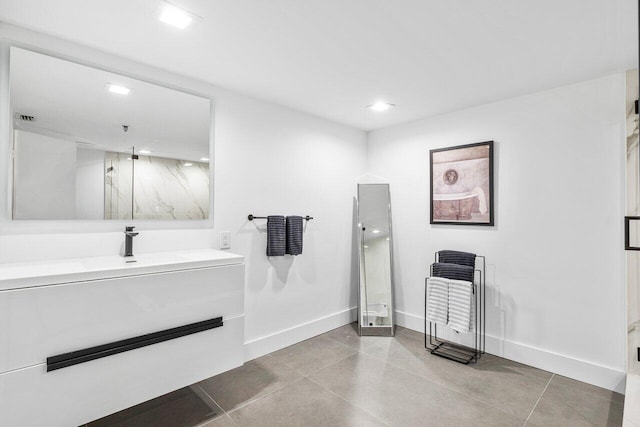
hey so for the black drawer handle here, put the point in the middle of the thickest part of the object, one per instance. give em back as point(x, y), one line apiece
point(104, 350)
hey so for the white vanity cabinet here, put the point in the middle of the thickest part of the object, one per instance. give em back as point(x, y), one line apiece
point(76, 346)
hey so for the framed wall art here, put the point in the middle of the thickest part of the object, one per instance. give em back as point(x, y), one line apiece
point(461, 187)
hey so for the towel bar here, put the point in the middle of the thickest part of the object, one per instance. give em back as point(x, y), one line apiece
point(251, 217)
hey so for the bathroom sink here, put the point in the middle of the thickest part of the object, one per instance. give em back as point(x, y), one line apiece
point(30, 274)
point(144, 259)
point(159, 260)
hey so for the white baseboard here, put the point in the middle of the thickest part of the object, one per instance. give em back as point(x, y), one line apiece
point(410, 321)
point(581, 370)
point(270, 343)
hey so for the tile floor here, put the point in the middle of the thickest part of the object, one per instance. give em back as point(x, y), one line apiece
point(341, 379)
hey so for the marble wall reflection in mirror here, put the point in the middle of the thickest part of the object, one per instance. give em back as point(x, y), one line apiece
point(73, 138)
point(376, 315)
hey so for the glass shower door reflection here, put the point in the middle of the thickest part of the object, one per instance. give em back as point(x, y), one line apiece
point(118, 186)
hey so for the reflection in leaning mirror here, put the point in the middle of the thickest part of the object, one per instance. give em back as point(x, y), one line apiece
point(90, 144)
point(376, 272)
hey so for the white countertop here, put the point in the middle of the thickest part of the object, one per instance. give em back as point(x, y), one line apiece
point(32, 274)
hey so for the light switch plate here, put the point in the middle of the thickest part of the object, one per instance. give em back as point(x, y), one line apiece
point(225, 240)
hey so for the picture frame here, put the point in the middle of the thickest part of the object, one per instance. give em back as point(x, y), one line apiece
point(461, 184)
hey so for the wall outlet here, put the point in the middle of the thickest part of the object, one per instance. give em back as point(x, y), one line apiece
point(225, 240)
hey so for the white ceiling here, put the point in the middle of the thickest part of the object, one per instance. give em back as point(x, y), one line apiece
point(332, 57)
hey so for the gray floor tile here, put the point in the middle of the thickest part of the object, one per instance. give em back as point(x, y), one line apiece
point(348, 335)
point(567, 406)
point(589, 389)
point(224, 421)
point(370, 381)
point(506, 385)
point(254, 379)
point(491, 363)
point(303, 404)
point(410, 333)
point(404, 399)
point(187, 407)
point(502, 387)
point(313, 354)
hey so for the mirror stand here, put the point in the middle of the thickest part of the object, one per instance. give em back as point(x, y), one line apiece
point(375, 289)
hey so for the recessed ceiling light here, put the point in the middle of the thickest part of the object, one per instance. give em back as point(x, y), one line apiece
point(120, 90)
point(145, 152)
point(204, 159)
point(380, 106)
point(375, 231)
point(188, 164)
point(175, 16)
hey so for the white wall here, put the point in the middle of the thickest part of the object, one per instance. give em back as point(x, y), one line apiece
point(268, 160)
point(633, 209)
point(89, 184)
point(45, 170)
point(555, 257)
point(273, 161)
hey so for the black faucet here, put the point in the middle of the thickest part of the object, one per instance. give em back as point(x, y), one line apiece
point(128, 240)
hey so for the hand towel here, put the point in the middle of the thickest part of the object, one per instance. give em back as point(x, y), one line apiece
point(276, 241)
point(437, 300)
point(457, 257)
point(452, 271)
point(294, 235)
point(461, 304)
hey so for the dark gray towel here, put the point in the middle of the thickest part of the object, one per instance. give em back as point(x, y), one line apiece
point(452, 271)
point(276, 241)
point(294, 235)
point(457, 257)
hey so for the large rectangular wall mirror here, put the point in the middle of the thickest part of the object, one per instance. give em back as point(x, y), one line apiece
point(91, 144)
point(375, 305)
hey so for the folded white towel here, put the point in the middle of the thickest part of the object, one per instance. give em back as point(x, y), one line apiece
point(461, 305)
point(437, 299)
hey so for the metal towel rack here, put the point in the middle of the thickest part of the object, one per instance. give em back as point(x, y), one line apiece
point(454, 351)
point(251, 217)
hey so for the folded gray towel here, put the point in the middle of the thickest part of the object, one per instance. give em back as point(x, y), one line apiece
point(452, 271)
point(457, 257)
point(276, 241)
point(294, 235)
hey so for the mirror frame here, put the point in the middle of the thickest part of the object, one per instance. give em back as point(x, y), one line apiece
point(86, 56)
point(380, 331)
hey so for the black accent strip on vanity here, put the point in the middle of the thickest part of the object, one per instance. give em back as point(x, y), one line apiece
point(80, 356)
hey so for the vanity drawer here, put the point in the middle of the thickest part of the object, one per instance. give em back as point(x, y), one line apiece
point(50, 320)
point(81, 393)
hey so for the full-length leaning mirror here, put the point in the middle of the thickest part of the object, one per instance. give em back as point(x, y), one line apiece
point(90, 144)
point(375, 305)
